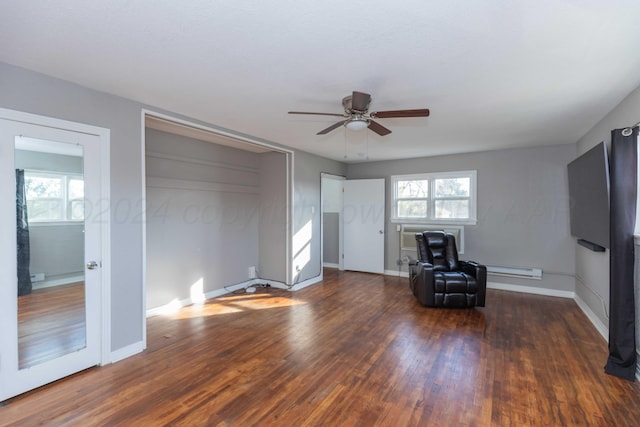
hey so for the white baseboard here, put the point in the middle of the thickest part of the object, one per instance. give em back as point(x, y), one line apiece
point(531, 290)
point(396, 273)
point(167, 308)
point(330, 265)
point(124, 352)
point(306, 283)
point(222, 291)
point(273, 284)
point(211, 294)
point(57, 282)
point(600, 327)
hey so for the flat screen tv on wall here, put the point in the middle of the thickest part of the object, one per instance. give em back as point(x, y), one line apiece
point(589, 198)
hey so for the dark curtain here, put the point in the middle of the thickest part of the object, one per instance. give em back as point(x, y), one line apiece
point(622, 337)
point(24, 276)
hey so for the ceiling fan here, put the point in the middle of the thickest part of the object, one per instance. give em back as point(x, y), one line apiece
point(357, 117)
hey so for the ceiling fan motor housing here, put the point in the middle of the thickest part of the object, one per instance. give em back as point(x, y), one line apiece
point(348, 105)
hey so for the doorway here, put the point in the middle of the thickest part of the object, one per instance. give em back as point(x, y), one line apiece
point(331, 188)
point(353, 223)
point(218, 212)
point(56, 228)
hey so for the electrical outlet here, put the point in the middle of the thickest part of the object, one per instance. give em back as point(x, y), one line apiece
point(252, 272)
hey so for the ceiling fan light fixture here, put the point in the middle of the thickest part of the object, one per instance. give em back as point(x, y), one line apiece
point(357, 124)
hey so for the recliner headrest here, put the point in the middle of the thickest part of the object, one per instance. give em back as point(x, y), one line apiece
point(435, 238)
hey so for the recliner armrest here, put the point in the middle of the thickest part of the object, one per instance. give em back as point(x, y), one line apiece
point(421, 282)
point(423, 266)
point(413, 268)
point(472, 268)
point(479, 272)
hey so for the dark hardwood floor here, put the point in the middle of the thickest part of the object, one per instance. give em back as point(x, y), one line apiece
point(354, 350)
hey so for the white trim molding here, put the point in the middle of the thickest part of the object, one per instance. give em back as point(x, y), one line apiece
point(531, 290)
point(305, 283)
point(600, 327)
point(125, 352)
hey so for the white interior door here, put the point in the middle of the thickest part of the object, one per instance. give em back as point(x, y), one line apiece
point(50, 327)
point(363, 225)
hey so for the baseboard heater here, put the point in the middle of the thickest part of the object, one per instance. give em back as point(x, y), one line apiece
point(522, 273)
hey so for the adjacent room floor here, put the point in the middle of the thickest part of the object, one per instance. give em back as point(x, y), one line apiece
point(356, 349)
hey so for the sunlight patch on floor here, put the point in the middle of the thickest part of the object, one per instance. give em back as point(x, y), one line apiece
point(235, 304)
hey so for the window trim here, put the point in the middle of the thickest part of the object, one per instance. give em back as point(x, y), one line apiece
point(431, 199)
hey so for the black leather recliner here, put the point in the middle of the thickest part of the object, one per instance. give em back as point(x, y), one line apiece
point(439, 279)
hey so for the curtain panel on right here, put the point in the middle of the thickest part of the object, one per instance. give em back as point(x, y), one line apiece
point(622, 206)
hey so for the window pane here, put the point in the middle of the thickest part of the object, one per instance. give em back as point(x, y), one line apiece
point(38, 187)
point(457, 209)
point(76, 210)
point(43, 209)
point(452, 187)
point(76, 188)
point(412, 208)
point(413, 188)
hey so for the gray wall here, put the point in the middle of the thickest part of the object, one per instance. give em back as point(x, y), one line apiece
point(202, 215)
point(36, 93)
point(57, 251)
point(48, 162)
point(523, 209)
point(331, 217)
point(273, 217)
point(307, 212)
point(30, 92)
point(592, 268)
point(331, 237)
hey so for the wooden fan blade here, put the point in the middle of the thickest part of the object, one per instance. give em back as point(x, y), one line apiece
point(424, 112)
point(317, 114)
point(330, 128)
point(360, 101)
point(378, 128)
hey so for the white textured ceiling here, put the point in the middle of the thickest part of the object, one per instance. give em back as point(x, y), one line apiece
point(494, 73)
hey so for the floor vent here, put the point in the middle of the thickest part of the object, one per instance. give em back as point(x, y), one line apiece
point(523, 273)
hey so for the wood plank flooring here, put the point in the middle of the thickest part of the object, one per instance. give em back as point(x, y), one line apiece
point(354, 350)
point(51, 323)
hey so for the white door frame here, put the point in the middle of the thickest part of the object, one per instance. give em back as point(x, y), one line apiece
point(104, 136)
point(324, 176)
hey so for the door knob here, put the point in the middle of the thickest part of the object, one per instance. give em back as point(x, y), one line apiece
point(381, 232)
point(92, 265)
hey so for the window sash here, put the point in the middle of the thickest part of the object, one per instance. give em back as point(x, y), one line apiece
point(434, 205)
point(62, 204)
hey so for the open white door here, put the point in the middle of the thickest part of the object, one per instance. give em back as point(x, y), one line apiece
point(52, 329)
point(363, 224)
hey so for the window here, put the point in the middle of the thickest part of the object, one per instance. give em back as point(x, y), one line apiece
point(448, 197)
point(54, 197)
